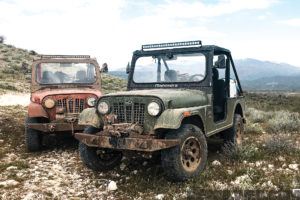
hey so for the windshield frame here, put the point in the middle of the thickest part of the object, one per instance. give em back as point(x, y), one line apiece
point(205, 82)
point(76, 61)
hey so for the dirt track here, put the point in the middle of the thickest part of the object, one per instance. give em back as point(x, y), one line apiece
point(11, 99)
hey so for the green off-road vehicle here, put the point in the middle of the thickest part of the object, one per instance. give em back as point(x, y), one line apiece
point(179, 95)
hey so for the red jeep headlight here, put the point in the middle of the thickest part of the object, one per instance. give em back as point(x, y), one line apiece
point(49, 103)
point(91, 101)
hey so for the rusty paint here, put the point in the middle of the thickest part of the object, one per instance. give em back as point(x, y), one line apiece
point(186, 113)
point(36, 110)
point(122, 129)
point(126, 136)
point(54, 127)
point(145, 144)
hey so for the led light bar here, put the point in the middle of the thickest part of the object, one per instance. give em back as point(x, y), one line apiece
point(172, 44)
point(65, 56)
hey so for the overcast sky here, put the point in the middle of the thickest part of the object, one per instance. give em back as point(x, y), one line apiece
point(112, 30)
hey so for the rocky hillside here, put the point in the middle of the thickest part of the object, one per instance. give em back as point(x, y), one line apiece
point(15, 69)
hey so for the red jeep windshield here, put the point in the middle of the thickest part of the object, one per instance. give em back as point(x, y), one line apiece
point(60, 73)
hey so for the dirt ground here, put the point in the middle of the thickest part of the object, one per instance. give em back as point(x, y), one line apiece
point(58, 173)
point(11, 99)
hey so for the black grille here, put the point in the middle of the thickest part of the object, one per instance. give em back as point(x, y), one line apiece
point(131, 113)
point(71, 105)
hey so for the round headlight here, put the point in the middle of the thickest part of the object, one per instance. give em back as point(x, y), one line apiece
point(103, 108)
point(49, 103)
point(91, 101)
point(153, 109)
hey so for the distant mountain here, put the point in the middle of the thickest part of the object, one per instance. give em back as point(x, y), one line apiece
point(119, 73)
point(259, 75)
point(251, 69)
point(279, 83)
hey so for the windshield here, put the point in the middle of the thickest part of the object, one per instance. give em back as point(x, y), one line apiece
point(60, 73)
point(170, 68)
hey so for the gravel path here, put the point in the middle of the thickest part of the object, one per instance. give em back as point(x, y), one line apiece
point(54, 174)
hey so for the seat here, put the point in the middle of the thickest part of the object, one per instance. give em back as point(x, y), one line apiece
point(170, 76)
point(47, 77)
point(218, 93)
point(81, 76)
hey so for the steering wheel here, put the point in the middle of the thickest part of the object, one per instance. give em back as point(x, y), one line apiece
point(193, 77)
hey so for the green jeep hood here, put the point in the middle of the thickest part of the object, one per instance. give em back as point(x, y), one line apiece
point(172, 98)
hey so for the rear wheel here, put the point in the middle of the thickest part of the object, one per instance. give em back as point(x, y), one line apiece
point(188, 159)
point(33, 138)
point(98, 159)
point(233, 137)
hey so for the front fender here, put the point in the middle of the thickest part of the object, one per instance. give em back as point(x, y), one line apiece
point(36, 110)
point(89, 117)
point(172, 118)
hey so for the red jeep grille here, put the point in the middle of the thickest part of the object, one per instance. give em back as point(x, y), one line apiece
point(71, 105)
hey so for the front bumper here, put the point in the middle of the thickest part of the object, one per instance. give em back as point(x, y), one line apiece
point(125, 136)
point(55, 127)
point(125, 143)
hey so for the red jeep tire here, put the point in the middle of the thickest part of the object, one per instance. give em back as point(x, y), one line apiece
point(33, 138)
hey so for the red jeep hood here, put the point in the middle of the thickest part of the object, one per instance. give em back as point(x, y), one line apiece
point(46, 92)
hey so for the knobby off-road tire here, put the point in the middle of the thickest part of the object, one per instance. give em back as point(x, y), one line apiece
point(33, 138)
point(188, 159)
point(98, 159)
point(233, 136)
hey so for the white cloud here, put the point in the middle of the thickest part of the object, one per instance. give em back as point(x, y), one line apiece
point(63, 27)
point(98, 28)
point(295, 22)
point(181, 9)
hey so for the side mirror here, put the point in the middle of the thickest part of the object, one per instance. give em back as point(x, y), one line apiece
point(221, 63)
point(128, 68)
point(104, 68)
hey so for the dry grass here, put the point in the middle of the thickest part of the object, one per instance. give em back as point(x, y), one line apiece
point(112, 84)
point(279, 144)
point(284, 122)
point(261, 164)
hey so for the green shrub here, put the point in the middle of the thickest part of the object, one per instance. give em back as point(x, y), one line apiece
point(275, 145)
point(7, 86)
point(8, 71)
point(241, 153)
point(257, 116)
point(253, 128)
point(15, 67)
point(284, 122)
point(6, 59)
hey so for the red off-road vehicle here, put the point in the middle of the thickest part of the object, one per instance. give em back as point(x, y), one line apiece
point(61, 87)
